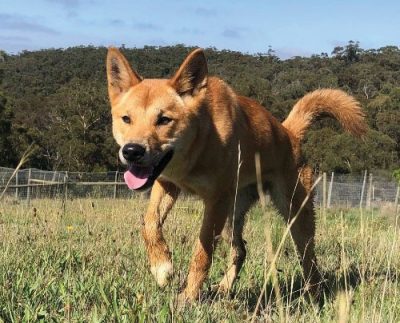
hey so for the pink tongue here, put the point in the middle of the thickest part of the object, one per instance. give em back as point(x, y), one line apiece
point(137, 177)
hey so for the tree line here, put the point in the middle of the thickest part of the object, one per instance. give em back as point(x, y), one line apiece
point(57, 100)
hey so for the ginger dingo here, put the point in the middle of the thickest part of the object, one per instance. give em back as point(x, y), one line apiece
point(185, 133)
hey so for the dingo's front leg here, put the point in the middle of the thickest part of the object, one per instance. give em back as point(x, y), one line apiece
point(163, 197)
point(215, 215)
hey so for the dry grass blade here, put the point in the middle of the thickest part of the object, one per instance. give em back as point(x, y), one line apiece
point(236, 191)
point(25, 157)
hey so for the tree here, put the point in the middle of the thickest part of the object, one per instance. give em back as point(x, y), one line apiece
point(79, 123)
point(7, 157)
point(350, 53)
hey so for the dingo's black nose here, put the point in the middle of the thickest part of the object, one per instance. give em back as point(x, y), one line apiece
point(133, 152)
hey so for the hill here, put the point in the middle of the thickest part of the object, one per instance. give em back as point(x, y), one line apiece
point(57, 98)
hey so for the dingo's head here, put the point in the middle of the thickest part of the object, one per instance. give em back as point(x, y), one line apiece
point(152, 117)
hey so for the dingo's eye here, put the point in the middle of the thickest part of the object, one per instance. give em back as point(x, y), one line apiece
point(126, 119)
point(163, 120)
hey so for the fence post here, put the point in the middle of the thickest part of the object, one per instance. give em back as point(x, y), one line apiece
point(115, 186)
point(28, 189)
point(324, 194)
point(396, 201)
point(59, 192)
point(65, 190)
point(66, 185)
point(369, 194)
point(373, 192)
point(16, 185)
point(51, 188)
point(330, 191)
point(363, 188)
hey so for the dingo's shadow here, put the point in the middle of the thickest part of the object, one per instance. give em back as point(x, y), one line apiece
point(292, 290)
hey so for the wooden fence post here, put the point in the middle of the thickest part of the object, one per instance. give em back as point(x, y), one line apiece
point(66, 185)
point(363, 189)
point(115, 186)
point(59, 192)
point(65, 191)
point(396, 201)
point(369, 194)
point(330, 191)
point(28, 189)
point(16, 186)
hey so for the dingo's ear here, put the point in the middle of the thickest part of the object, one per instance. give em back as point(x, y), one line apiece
point(192, 74)
point(119, 74)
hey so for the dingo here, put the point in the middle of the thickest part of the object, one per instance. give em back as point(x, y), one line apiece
point(185, 133)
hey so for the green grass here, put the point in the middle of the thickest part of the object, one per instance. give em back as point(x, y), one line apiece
point(87, 263)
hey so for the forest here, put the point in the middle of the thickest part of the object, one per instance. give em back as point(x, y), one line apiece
point(56, 100)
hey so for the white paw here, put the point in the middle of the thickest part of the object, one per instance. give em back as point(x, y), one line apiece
point(162, 273)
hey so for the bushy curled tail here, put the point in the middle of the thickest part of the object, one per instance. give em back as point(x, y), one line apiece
point(334, 103)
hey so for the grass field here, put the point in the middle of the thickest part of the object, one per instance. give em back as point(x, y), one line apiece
point(86, 262)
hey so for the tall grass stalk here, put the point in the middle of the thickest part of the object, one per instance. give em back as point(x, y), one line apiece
point(25, 157)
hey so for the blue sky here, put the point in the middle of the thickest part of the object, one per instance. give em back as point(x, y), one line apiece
point(290, 27)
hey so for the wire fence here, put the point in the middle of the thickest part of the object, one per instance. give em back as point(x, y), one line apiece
point(27, 184)
point(335, 190)
point(364, 191)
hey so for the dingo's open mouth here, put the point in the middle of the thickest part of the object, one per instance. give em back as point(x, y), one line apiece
point(139, 177)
